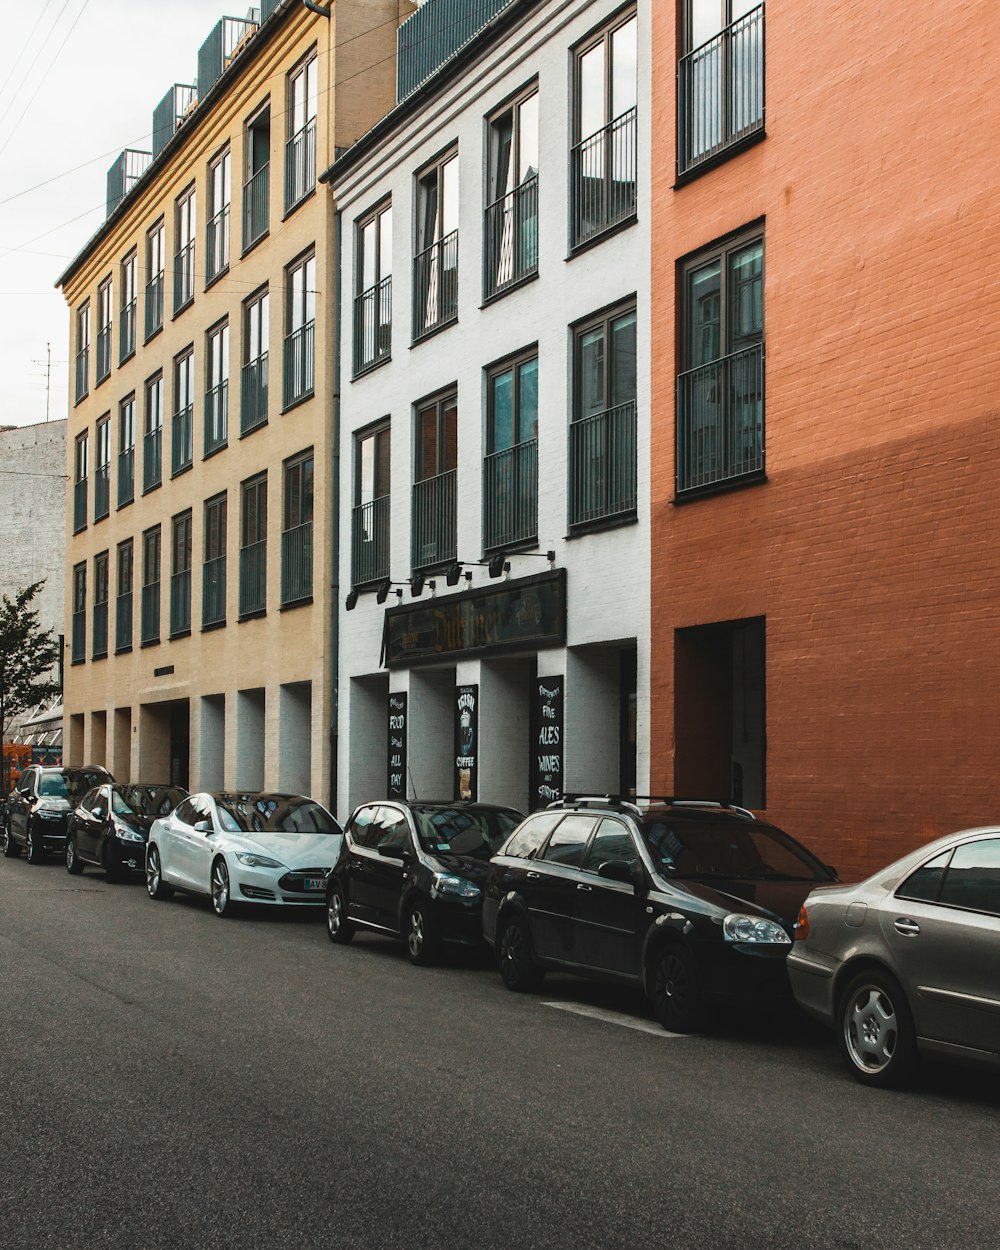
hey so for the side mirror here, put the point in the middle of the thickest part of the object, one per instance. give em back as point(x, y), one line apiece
point(393, 852)
point(204, 826)
point(615, 870)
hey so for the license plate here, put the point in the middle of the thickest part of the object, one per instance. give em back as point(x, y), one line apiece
point(314, 883)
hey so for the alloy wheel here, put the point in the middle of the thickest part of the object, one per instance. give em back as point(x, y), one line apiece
point(871, 1030)
point(153, 872)
point(334, 914)
point(415, 937)
point(220, 887)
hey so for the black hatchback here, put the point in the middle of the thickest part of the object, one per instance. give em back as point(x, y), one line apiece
point(693, 902)
point(415, 870)
point(109, 827)
point(38, 809)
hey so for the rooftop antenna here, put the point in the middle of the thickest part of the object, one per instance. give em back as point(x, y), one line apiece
point(47, 362)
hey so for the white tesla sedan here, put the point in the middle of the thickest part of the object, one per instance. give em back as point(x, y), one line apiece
point(270, 849)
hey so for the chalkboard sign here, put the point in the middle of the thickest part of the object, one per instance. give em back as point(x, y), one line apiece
point(547, 747)
point(466, 742)
point(396, 788)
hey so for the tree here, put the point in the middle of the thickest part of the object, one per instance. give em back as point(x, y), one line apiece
point(27, 654)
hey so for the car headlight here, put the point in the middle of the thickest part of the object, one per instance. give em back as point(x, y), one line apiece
point(457, 887)
point(124, 834)
point(754, 929)
point(257, 861)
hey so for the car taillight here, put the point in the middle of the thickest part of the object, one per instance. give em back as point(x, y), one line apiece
point(802, 925)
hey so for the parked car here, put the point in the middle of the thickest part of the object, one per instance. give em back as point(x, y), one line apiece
point(908, 962)
point(109, 826)
point(266, 849)
point(415, 870)
point(38, 808)
point(692, 902)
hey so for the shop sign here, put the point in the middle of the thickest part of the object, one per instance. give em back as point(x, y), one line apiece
point(547, 746)
point(396, 787)
point(467, 742)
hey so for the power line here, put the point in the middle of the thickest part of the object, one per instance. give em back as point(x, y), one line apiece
point(27, 72)
point(24, 49)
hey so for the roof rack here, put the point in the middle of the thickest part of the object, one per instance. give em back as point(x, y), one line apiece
point(632, 802)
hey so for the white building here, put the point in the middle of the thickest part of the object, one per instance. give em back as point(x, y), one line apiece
point(494, 406)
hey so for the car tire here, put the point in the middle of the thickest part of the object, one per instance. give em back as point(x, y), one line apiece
point(36, 849)
point(74, 864)
point(418, 934)
point(222, 898)
point(518, 969)
point(875, 1030)
point(156, 887)
point(338, 928)
point(674, 992)
point(10, 848)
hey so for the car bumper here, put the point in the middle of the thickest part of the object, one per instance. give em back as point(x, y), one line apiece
point(734, 974)
point(811, 977)
point(52, 832)
point(458, 922)
point(273, 889)
point(128, 856)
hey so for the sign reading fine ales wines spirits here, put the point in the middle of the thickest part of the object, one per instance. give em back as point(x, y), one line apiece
point(547, 749)
point(466, 742)
point(397, 746)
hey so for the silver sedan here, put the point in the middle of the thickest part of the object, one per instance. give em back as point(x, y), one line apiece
point(908, 962)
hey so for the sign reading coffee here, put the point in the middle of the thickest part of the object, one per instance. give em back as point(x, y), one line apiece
point(466, 742)
point(397, 746)
point(547, 749)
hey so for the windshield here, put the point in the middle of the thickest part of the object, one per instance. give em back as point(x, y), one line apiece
point(53, 786)
point(145, 800)
point(704, 850)
point(460, 831)
point(269, 814)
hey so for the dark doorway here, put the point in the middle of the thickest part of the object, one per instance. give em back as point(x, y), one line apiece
point(627, 714)
point(180, 744)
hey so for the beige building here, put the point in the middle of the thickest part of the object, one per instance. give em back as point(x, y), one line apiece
point(201, 528)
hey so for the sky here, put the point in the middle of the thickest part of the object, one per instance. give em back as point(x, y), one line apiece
point(78, 83)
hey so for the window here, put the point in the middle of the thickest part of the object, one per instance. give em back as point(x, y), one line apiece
point(99, 641)
point(79, 623)
point(612, 843)
point(217, 389)
point(182, 431)
point(256, 188)
point(603, 429)
point(152, 443)
point(510, 240)
point(720, 79)
point(104, 314)
point(300, 150)
point(370, 519)
point(924, 885)
point(603, 159)
point(126, 451)
point(300, 321)
point(566, 844)
point(435, 537)
point(213, 598)
point(373, 300)
point(150, 622)
point(720, 392)
point(973, 877)
point(180, 575)
point(155, 265)
point(102, 469)
point(219, 197)
point(297, 536)
point(184, 232)
point(126, 316)
point(81, 467)
point(123, 601)
point(82, 350)
point(253, 379)
point(531, 834)
point(435, 266)
point(510, 469)
point(253, 547)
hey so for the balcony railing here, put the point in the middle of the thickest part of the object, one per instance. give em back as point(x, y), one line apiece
point(373, 325)
point(217, 244)
point(126, 476)
point(253, 394)
point(370, 541)
point(126, 331)
point(255, 206)
point(152, 459)
point(79, 505)
point(213, 591)
point(82, 373)
point(603, 173)
point(79, 649)
point(435, 531)
point(300, 164)
point(721, 91)
point(154, 305)
point(720, 420)
point(510, 495)
point(253, 578)
point(216, 417)
point(123, 622)
point(99, 642)
point(180, 603)
point(602, 452)
point(510, 238)
point(182, 439)
point(296, 563)
point(435, 285)
point(102, 491)
point(299, 364)
point(184, 276)
point(103, 353)
point(149, 625)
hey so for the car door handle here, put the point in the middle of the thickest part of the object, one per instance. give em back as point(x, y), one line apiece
point(533, 876)
point(909, 928)
point(580, 886)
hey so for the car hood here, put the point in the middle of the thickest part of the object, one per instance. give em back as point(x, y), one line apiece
point(141, 824)
point(780, 900)
point(294, 850)
point(466, 866)
point(52, 804)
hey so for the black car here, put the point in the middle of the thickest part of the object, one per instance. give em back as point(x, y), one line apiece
point(693, 902)
point(415, 870)
point(109, 826)
point(38, 809)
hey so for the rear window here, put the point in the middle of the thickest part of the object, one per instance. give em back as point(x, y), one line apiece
point(729, 849)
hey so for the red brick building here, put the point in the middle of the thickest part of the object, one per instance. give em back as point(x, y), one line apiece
point(826, 417)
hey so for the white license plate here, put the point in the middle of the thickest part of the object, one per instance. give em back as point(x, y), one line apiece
point(314, 883)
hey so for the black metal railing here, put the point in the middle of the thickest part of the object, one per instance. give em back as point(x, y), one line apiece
point(603, 176)
point(182, 439)
point(180, 602)
point(149, 624)
point(370, 541)
point(256, 206)
point(152, 459)
point(720, 420)
point(435, 530)
point(126, 476)
point(253, 578)
point(373, 325)
point(721, 91)
point(434, 33)
point(510, 495)
point(300, 164)
point(217, 244)
point(82, 373)
point(184, 276)
point(299, 364)
point(102, 491)
point(79, 505)
point(103, 353)
point(216, 417)
point(123, 622)
point(296, 563)
point(99, 642)
point(510, 238)
point(213, 591)
point(154, 305)
point(126, 331)
point(602, 457)
point(253, 394)
point(435, 285)
point(79, 648)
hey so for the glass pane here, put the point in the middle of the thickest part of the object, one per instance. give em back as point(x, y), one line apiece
point(427, 443)
point(707, 19)
point(310, 289)
point(624, 82)
point(623, 360)
point(567, 842)
point(367, 266)
point(450, 430)
point(449, 197)
point(501, 155)
point(366, 470)
point(612, 844)
point(385, 244)
point(502, 411)
point(293, 495)
point(973, 877)
point(925, 883)
point(381, 464)
point(527, 415)
point(592, 103)
point(427, 221)
point(527, 139)
point(740, 8)
point(307, 492)
point(591, 373)
point(704, 300)
point(746, 296)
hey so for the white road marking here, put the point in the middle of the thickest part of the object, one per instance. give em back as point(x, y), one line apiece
point(614, 1017)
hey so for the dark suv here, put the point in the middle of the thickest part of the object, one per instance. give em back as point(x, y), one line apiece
point(38, 809)
point(694, 902)
point(415, 870)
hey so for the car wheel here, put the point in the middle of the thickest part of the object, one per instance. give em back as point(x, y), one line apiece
point(222, 901)
point(156, 887)
point(675, 994)
point(875, 1030)
point(518, 969)
point(418, 934)
point(338, 928)
point(74, 864)
point(10, 848)
point(36, 851)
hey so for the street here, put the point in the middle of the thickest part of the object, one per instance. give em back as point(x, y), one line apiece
point(171, 1079)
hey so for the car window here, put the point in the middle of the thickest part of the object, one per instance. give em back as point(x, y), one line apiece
point(473, 831)
point(924, 885)
point(392, 830)
point(612, 843)
point(568, 839)
point(530, 834)
point(53, 786)
point(99, 804)
point(365, 827)
point(728, 849)
point(24, 785)
point(185, 812)
point(972, 880)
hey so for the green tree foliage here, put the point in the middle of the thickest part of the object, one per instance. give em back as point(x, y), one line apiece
point(28, 654)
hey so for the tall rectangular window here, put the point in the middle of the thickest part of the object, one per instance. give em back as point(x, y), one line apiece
point(370, 519)
point(126, 451)
point(182, 431)
point(180, 575)
point(435, 266)
point(78, 650)
point(82, 350)
point(155, 268)
point(150, 616)
point(300, 320)
point(219, 196)
point(253, 378)
point(434, 520)
point(373, 286)
point(510, 468)
point(300, 150)
point(185, 227)
point(510, 228)
point(102, 468)
point(217, 388)
point(253, 546)
point(256, 185)
point(123, 598)
point(297, 534)
point(152, 443)
point(104, 317)
point(81, 469)
point(99, 640)
point(126, 315)
point(213, 594)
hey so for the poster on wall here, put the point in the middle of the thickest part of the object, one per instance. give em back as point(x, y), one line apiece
point(547, 748)
point(466, 742)
point(397, 746)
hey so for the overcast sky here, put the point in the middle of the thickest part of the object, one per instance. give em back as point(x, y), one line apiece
point(78, 82)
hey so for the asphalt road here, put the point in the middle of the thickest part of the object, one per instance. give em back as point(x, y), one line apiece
point(169, 1079)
